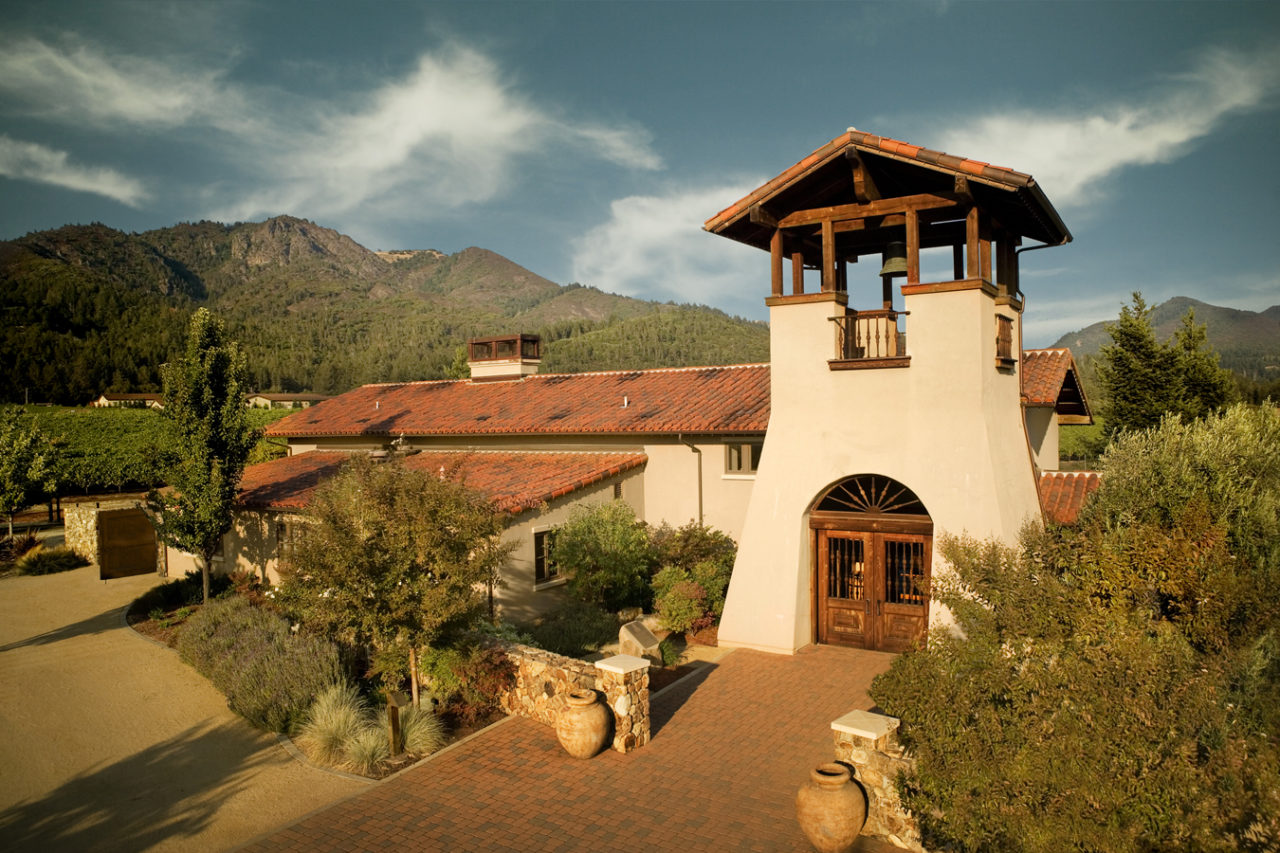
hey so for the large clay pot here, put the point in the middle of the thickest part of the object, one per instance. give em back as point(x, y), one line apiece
point(583, 724)
point(831, 809)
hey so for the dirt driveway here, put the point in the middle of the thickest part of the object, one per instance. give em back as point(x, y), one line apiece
point(109, 742)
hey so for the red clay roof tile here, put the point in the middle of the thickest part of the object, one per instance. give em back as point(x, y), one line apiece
point(732, 399)
point(1063, 493)
point(725, 400)
point(514, 481)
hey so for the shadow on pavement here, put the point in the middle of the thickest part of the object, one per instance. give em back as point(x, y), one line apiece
point(665, 706)
point(104, 621)
point(169, 790)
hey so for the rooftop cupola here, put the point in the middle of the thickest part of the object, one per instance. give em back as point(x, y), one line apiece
point(504, 357)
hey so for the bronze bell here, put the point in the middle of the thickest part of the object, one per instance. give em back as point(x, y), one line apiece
point(895, 260)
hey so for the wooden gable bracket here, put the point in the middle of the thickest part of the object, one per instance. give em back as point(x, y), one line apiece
point(864, 185)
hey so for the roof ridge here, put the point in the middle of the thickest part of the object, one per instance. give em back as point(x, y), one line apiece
point(535, 376)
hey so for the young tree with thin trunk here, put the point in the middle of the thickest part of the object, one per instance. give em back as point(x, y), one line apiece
point(204, 402)
point(393, 559)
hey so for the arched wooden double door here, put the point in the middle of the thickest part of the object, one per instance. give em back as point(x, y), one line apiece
point(872, 547)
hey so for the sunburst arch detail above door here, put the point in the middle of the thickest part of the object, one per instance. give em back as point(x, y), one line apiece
point(872, 494)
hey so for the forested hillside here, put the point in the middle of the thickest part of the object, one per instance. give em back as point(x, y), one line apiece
point(1247, 341)
point(89, 309)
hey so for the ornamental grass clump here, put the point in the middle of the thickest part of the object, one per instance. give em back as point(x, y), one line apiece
point(46, 561)
point(337, 715)
point(342, 731)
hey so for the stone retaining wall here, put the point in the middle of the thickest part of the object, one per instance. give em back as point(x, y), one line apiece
point(544, 679)
point(868, 742)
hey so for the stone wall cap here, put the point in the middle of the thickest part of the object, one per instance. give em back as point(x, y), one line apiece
point(865, 724)
point(622, 664)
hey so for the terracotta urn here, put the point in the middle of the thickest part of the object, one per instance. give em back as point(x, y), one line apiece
point(831, 809)
point(582, 725)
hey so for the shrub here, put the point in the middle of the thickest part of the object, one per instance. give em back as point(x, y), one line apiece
point(605, 553)
point(269, 675)
point(1048, 722)
point(713, 577)
point(683, 605)
point(484, 675)
point(691, 599)
point(187, 590)
point(574, 630)
point(46, 561)
point(692, 544)
point(669, 652)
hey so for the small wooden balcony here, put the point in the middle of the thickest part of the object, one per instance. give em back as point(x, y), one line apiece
point(869, 339)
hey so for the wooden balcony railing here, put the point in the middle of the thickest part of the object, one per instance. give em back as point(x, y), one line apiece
point(868, 335)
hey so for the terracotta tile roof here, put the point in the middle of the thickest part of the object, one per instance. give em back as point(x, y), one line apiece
point(1063, 493)
point(732, 399)
point(999, 176)
point(1042, 373)
point(514, 481)
point(1050, 378)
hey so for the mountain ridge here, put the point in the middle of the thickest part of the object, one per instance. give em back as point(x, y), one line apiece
point(1247, 342)
point(89, 309)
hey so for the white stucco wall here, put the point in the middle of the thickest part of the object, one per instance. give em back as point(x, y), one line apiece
point(521, 599)
point(949, 427)
point(1042, 434)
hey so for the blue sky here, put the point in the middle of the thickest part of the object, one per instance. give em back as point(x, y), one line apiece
point(588, 141)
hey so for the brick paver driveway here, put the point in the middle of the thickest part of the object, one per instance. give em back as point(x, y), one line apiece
point(731, 746)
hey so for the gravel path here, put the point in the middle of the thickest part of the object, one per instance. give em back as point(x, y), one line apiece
point(109, 742)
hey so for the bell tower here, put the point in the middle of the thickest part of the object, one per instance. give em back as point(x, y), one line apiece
point(895, 314)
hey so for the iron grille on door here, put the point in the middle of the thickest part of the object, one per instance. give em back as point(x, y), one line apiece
point(845, 569)
point(904, 572)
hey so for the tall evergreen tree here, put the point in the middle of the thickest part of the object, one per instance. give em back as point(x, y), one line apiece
point(204, 400)
point(1206, 387)
point(1144, 379)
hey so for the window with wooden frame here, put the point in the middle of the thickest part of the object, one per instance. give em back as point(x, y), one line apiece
point(544, 568)
point(742, 458)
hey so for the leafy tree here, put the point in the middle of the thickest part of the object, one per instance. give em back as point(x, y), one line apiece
point(204, 393)
point(393, 559)
point(26, 469)
point(606, 554)
point(1143, 379)
point(1113, 686)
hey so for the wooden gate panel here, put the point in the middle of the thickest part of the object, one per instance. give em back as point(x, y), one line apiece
point(126, 543)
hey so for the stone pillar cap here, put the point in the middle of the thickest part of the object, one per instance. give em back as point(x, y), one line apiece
point(865, 724)
point(622, 664)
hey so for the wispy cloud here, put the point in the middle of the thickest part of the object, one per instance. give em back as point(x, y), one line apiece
point(449, 132)
point(1071, 151)
point(654, 246)
point(29, 161)
point(80, 83)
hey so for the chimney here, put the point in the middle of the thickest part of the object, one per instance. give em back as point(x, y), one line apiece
point(504, 357)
